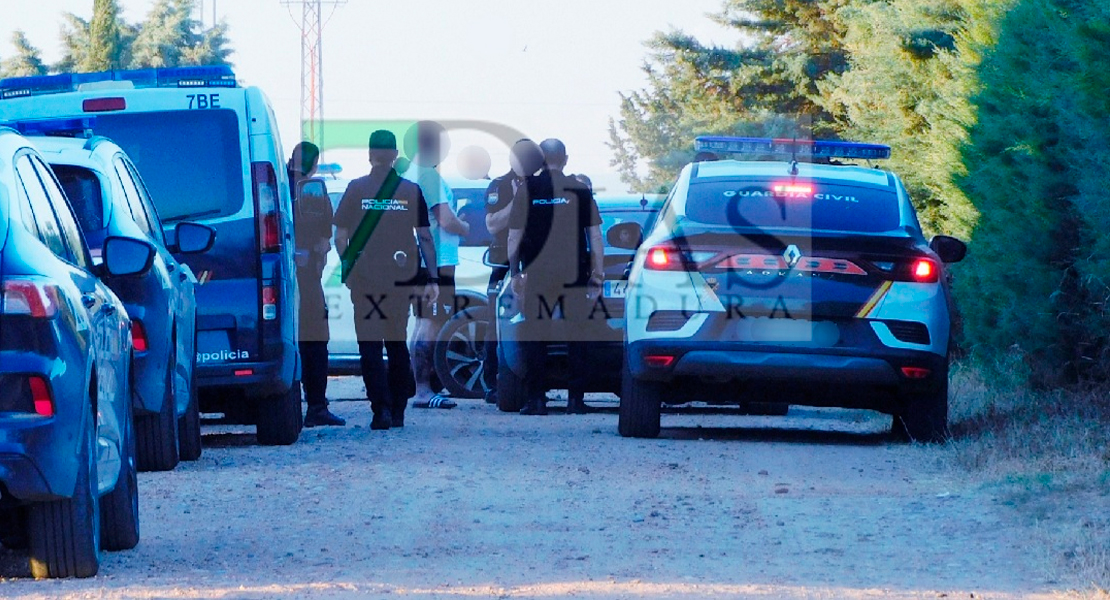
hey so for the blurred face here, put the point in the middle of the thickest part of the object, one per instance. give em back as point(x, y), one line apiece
point(432, 145)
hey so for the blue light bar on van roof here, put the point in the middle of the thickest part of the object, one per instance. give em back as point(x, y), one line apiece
point(801, 149)
point(216, 76)
point(75, 127)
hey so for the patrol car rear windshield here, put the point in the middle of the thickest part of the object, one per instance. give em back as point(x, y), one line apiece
point(793, 204)
point(190, 159)
point(82, 187)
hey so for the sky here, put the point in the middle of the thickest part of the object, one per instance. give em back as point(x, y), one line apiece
point(545, 69)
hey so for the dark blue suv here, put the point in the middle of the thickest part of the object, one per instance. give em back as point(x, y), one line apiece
point(67, 445)
point(110, 199)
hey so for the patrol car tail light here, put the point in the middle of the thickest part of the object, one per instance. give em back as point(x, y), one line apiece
point(668, 257)
point(138, 337)
point(659, 361)
point(29, 298)
point(924, 271)
point(264, 180)
point(104, 104)
point(41, 396)
point(916, 372)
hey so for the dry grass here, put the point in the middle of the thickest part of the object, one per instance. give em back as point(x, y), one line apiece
point(1049, 451)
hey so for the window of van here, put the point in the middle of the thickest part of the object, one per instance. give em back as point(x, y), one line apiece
point(190, 160)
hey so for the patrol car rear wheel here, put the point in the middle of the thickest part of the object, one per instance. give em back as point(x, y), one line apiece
point(459, 350)
point(65, 534)
point(510, 388)
point(189, 442)
point(279, 418)
point(156, 435)
point(641, 407)
point(119, 509)
point(924, 417)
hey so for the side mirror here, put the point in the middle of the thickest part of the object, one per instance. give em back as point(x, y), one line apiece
point(312, 187)
point(193, 238)
point(949, 249)
point(625, 235)
point(127, 257)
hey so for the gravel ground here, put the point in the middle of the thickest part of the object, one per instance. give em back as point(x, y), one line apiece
point(473, 503)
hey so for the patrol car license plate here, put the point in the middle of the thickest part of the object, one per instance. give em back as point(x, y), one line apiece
point(615, 289)
point(790, 331)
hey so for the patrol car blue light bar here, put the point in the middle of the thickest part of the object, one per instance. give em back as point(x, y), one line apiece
point(822, 149)
point(216, 76)
point(75, 127)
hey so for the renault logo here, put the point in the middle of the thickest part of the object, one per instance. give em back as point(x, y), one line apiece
point(792, 255)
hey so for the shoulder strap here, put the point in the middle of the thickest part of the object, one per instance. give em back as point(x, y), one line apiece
point(368, 224)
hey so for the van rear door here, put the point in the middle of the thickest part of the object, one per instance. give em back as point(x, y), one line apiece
point(193, 160)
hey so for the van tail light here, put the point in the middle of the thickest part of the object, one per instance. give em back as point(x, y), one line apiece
point(138, 337)
point(104, 104)
point(659, 361)
point(916, 372)
point(269, 303)
point(41, 396)
point(264, 180)
point(29, 297)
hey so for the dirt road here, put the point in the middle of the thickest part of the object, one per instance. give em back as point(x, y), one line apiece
point(472, 503)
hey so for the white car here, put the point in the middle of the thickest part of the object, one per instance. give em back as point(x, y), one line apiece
point(789, 282)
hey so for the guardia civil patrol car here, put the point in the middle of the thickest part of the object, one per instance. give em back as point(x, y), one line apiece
point(789, 277)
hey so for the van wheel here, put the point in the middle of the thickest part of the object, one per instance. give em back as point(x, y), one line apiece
point(279, 418)
point(924, 417)
point(510, 388)
point(189, 424)
point(641, 407)
point(119, 509)
point(156, 435)
point(459, 350)
point(65, 534)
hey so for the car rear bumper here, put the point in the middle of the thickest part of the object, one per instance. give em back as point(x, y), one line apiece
point(852, 377)
point(254, 379)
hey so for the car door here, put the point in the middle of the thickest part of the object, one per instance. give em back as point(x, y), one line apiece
point(182, 296)
point(108, 330)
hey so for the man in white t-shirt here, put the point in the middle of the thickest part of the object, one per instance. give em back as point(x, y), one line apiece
point(427, 144)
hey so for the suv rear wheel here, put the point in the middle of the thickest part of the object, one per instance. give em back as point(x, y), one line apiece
point(510, 388)
point(279, 418)
point(119, 509)
point(924, 416)
point(156, 435)
point(65, 534)
point(189, 442)
point(641, 407)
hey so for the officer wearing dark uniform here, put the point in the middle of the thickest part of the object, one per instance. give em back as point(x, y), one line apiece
point(313, 238)
point(556, 261)
point(526, 158)
point(382, 231)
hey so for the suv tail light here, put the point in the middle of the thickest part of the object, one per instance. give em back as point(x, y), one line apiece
point(138, 337)
point(41, 397)
point(29, 297)
point(264, 180)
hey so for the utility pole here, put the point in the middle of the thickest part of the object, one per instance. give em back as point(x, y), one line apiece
point(312, 65)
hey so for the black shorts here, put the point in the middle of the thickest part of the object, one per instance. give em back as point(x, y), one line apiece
point(445, 306)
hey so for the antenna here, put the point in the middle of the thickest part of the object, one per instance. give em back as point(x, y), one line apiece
point(312, 64)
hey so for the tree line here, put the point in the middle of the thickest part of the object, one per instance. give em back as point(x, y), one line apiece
point(169, 36)
point(998, 112)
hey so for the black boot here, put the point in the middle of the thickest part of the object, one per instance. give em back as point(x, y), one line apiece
point(535, 407)
point(397, 413)
point(383, 419)
point(576, 405)
point(320, 416)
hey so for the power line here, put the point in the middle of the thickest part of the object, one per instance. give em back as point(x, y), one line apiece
point(312, 64)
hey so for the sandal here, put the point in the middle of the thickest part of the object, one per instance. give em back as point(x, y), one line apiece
point(436, 401)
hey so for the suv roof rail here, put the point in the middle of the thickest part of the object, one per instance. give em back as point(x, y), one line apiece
point(174, 77)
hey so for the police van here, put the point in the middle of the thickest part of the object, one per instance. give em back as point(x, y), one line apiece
point(210, 153)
